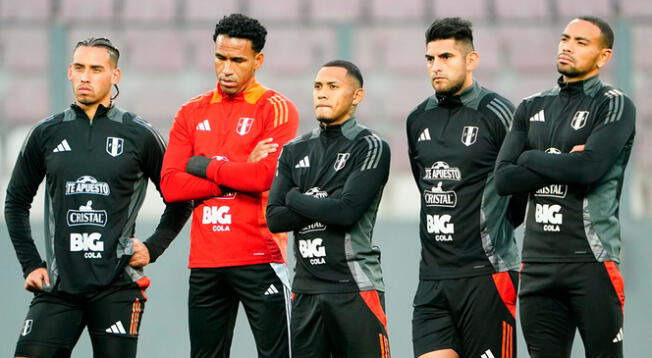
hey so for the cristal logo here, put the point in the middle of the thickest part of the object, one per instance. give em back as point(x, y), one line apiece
point(317, 193)
point(316, 226)
point(553, 190)
point(442, 171)
point(441, 226)
point(86, 215)
point(439, 197)
point(312, 249)
point(89, 243)
point(549, 215)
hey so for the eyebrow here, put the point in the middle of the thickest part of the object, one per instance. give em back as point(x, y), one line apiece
point(232, 57)
point(577, 38)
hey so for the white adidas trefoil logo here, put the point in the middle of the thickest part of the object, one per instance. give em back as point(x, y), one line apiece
point(538, 117)
point(303, 163)
point(619, 336)
point(116, 328)
point(425, 135)
point(487, 354)
point(204, 126)
point(271, 290)
point(62, 147)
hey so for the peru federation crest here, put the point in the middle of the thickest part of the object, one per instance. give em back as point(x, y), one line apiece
point(340, 162)
point(114, 146)
point(469, 135)
point(244, 125)
point(579, 119)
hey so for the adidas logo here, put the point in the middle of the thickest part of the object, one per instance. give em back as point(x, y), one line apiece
point(204, 126)
point(487, 354)
point(62, 147)
point(303, 163)
point(425, 135)
point(271, 290)
point(538, 117)
point(116, 328)
point(619, 336)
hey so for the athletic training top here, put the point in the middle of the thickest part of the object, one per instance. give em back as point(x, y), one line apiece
point(96, 178)
point(327, 190)
point(465, 225)
point(228, 222)
point(574, 197)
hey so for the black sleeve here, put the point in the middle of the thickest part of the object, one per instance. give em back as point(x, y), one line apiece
point(27, 176)
point(361, 187)
point(176, 214)
point(413, 164)
point(613, 129)
point(511, 178)
point(280, 218)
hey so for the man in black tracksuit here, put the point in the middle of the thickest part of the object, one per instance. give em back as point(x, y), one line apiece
point(466, 300)
point(96, 159)
point(327, 189)
point(568, 149)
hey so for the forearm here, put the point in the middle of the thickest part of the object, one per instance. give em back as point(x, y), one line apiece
point(172, 221)
point(283, 219)
point(177, 186)
point(17, 218)
point(243, 177)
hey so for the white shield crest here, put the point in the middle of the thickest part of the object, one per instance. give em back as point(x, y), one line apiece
point(340, 162)
point(244, 125)
point(27, 327)
point(469, 135)
point(579, 119)
point(114, 146)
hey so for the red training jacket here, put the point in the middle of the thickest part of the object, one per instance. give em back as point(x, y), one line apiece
point(228, 222)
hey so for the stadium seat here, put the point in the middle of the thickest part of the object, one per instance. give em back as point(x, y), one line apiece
point(407, 10)
point(471, 9)
point(25, 9)
point(209, 9)
point(25, 50)
point(524, 10)
point(285, 11)
point(154, 50)
point(395, 48)
point(29, 99)
point(487, 44)
point(294, 50)
point(149, 9)
point(81, 32)
point(155, 99)
point(531, 48)
point(201, 48)
point(86, 10)
point(642, 51)
point(635, 8)
point(335, 10)
point(570, 9)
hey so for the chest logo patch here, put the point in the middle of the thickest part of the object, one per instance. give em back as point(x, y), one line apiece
point(114, 146)
point(244, 125)
point(579, 119)
point(469, 135)
point(340, 162)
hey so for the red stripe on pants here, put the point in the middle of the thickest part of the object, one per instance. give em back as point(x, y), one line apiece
point(506, 290)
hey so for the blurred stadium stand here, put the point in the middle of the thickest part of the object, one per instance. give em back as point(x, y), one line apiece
point(167, 58)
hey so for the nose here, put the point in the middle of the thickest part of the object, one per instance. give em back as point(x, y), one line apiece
point(227, 69)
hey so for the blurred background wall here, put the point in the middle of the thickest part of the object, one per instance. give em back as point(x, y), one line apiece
point(166, 58)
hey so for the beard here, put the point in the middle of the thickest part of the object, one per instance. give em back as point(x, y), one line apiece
point(572, 72)
point(452, 89)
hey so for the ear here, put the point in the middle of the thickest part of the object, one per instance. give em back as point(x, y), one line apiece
point(116, 76)
point(472, 60)
point(358, 96)
point(69, 74)
point(604, 57)
point(258, 60)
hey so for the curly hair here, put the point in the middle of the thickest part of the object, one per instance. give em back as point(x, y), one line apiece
point(243, 27)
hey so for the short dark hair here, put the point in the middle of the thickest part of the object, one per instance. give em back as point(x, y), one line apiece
point(114, 54)
point(451, 28)
point(350, 67)
point(242, 27)
point(605, 29)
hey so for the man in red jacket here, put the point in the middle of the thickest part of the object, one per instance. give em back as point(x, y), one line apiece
point(222, 154)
